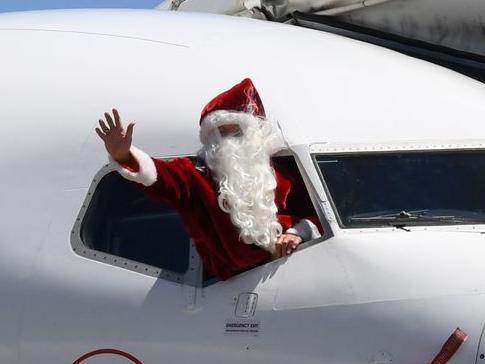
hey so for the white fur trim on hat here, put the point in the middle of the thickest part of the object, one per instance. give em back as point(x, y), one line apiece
point(223, 117)
point(306, 229)
point(147, 172)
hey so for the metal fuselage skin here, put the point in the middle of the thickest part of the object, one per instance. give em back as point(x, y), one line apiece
point(359, 296)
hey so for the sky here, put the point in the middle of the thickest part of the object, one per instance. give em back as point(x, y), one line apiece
point(19, 5)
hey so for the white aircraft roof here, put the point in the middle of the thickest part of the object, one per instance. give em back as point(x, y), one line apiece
point(61, 69)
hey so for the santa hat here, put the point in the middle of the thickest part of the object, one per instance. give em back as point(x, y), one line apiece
point(241, 98)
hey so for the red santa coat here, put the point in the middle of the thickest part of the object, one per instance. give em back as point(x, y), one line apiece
point(193, 193)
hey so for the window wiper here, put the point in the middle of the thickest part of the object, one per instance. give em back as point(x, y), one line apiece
point(403, 218)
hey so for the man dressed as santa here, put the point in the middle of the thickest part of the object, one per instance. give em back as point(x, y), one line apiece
point(237, 207)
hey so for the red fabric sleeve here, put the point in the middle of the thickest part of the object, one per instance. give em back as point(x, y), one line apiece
point(132, 167)
point(174, 182)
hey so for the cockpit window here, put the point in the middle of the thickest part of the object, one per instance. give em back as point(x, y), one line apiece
point(407, 188)
point(118, 225)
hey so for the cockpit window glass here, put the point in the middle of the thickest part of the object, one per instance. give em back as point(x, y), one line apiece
point(400, 189)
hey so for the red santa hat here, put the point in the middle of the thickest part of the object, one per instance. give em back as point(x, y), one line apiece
point(241, 98)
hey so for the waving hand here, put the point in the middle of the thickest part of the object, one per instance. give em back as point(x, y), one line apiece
point(117, 139)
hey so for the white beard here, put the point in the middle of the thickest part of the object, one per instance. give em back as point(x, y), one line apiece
point(242, 169)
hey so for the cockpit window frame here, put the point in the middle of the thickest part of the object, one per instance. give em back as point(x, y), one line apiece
point(313, 156)
point(191, 277)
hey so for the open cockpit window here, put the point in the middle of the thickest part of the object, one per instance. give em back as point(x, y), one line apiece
point(119, 225)
point(406, 188)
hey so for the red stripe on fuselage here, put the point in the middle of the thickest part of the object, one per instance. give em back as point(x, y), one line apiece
point(107, 351)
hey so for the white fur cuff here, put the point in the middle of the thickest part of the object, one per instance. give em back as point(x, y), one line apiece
point(147, 172)
point(306, 229)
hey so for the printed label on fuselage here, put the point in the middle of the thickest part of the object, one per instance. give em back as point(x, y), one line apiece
point(242, 326)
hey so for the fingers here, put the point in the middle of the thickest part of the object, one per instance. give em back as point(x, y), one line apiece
point(117, 118)
point(278, 251)
point(109, 119)
point(100, 133)
point(286, 244)
point(129, 130)
point(292, 245)
point(103, 126)
point(108, 125)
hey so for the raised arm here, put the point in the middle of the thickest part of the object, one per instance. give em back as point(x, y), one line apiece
point(168, 182)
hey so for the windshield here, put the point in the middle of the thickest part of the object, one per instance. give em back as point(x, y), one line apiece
point(404, 189)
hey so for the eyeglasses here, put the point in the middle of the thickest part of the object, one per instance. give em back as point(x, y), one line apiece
point(230, 130)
